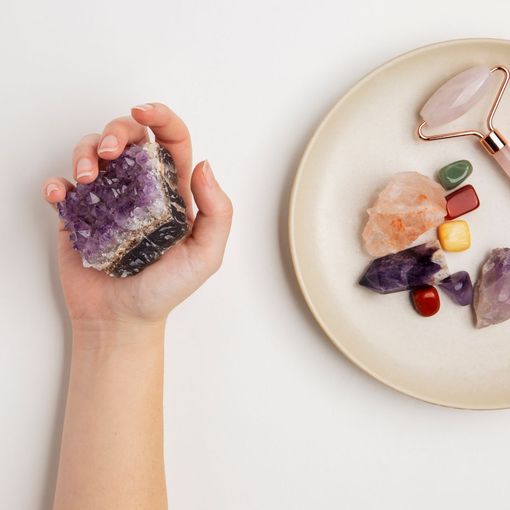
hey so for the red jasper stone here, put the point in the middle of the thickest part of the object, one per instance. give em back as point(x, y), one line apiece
point(461, 201)
point(425, 300)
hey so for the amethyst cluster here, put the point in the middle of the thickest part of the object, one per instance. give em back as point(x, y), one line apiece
point(492, 290)
point(130, 215)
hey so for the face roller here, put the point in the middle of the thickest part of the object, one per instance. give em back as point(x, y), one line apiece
point(458, 95)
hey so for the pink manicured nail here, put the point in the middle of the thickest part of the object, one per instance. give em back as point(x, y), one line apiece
point(144, 107)
point(207, 172)
point(108, 144)
point(83, 168)
point(50, 189)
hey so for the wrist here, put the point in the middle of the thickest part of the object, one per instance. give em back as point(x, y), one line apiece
point(118, 334)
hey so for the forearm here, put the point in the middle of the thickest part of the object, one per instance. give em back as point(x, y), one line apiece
point(112, 445)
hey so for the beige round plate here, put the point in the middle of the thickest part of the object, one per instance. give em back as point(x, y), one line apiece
point(368, 136)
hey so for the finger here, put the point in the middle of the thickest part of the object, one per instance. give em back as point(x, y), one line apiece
point(171, 132)
point(85, 163)
point(117, 134)
point(55, 189)
point(212, 225)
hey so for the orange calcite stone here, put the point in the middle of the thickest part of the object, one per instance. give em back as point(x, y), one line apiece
point(408, 206)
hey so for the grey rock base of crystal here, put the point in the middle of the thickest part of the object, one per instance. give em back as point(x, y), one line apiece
point(152, 246)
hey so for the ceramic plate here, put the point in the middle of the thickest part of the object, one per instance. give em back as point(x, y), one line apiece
point(367, 137)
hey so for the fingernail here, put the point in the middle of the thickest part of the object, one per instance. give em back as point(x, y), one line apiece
point(207, 173)
point(83, 168)
point(50, 189)
point(109, 144)
point(144, 107)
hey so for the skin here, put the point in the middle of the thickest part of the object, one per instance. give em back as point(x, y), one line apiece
point(112, 443)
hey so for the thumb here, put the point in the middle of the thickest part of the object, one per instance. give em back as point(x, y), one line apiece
point(213, 221)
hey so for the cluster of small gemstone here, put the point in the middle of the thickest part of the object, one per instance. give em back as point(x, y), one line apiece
point(421, 268)
point(455, 235)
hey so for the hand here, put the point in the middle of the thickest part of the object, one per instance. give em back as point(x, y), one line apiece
point(94, 298)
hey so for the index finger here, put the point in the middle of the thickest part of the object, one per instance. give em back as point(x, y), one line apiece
point(171, 133)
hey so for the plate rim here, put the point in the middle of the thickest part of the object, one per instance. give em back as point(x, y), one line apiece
point(291, 223)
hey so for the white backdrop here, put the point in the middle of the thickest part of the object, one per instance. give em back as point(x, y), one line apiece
point(262, 413)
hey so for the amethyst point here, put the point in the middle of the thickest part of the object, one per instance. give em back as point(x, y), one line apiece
point(420, 265)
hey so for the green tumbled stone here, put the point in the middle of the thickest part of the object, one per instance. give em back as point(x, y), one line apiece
point(454, 174)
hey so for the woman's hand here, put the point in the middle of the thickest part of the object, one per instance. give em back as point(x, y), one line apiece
point(96, 300)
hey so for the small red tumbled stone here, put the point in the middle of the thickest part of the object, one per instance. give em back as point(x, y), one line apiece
point(426, 300)
point(461, 201)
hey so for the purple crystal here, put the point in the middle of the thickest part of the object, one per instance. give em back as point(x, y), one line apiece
point(459, 288)
point(492, 290)
point(420, 265)
point(130, 215)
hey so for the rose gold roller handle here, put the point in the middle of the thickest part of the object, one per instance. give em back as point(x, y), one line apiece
point(497, 146)
point(503, 158)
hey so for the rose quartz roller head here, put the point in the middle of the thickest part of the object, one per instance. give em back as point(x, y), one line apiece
point(455, 97)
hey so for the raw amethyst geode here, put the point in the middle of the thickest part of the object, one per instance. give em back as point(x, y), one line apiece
point(130, 215)
point(492, 290)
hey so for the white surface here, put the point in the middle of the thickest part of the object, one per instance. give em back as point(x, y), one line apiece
point(443, 359)
point(262, 412)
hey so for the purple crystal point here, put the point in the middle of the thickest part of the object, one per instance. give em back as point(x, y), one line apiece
point(420, 265)
point(130, 215)
point(492, 290)
point(459, 288)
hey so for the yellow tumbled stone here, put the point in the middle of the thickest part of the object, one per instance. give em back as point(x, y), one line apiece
point(454, 235)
